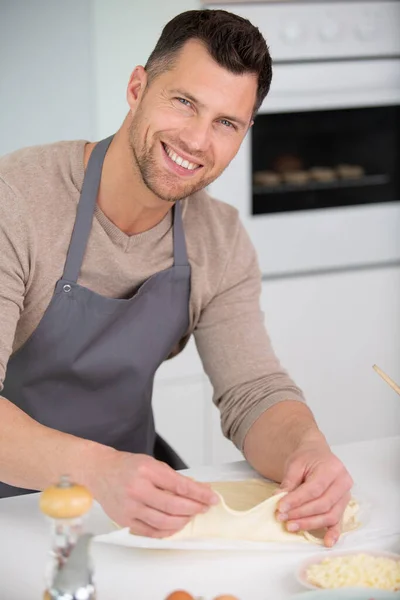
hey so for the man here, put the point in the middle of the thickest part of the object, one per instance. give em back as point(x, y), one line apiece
point(111, 256)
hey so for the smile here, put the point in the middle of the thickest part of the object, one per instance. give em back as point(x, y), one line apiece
point(179, 160)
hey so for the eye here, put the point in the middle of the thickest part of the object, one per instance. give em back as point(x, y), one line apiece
point(183, 101)
point(227, 124)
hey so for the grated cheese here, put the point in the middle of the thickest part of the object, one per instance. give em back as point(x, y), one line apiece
point(354, 570)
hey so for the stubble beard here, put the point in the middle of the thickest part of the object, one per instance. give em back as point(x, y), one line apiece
point(156, 179)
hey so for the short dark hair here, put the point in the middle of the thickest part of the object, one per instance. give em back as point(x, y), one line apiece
point(232, 41)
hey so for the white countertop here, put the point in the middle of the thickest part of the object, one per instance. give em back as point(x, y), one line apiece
point(127, 574)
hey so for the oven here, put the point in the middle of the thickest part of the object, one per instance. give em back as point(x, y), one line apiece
point(316, 181)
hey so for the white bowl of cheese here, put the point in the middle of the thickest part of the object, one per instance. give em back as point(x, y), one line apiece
point(375, 570)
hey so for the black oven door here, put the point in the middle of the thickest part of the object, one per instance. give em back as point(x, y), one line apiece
point(323, 159)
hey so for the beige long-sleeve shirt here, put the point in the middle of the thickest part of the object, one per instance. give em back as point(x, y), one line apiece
point(39, 191)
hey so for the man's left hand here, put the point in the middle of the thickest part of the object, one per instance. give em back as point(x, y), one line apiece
point(318, 487)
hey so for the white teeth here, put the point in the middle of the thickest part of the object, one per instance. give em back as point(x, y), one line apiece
point(179, 160)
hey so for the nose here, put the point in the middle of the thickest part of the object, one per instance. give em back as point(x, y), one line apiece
point(196, 135)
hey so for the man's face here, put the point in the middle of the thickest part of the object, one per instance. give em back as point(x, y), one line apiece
point(189, 123)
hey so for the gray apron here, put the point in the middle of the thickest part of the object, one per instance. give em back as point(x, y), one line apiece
point(88, 368)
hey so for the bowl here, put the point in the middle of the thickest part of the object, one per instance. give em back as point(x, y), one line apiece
point(318, 558)
point(347, 594)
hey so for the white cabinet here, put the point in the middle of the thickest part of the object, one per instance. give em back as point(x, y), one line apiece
point(328, 330)
point(180, 417)
point(220, 449)
point(186, 364)
point(187, 418)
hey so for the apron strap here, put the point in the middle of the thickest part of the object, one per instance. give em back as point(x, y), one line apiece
point(180, 252)
point(85, 211)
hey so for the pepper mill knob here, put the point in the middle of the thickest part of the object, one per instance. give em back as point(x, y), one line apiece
point(66, 500)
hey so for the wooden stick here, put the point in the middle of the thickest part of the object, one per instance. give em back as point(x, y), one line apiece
point(386, 378)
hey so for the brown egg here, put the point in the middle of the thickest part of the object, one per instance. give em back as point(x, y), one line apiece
point(226, 597)
point(180, 595)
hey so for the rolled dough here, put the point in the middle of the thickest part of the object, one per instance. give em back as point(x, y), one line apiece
point(247, 511)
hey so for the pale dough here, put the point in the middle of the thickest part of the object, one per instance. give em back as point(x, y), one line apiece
point(247, 511)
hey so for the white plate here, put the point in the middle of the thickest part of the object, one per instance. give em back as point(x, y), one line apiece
point(348, 594)
point(317, 558)
point(123, 537)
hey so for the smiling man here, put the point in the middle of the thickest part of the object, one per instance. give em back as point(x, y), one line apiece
point(111, 256)
point(197, 127)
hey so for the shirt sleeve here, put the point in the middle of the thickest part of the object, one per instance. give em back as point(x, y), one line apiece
point(235, 348)
point(14, 270)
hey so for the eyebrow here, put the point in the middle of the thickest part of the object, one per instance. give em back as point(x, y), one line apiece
point(201, 105)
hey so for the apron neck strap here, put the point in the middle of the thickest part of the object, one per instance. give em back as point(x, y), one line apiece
point(180, 252)
point(85, 211)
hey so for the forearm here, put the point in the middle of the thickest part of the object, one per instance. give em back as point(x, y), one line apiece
point(34, 456)
point(276, 434)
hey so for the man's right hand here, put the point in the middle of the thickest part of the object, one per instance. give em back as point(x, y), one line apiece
point(148, 496)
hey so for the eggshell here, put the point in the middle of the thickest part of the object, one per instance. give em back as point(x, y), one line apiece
point(179, 595)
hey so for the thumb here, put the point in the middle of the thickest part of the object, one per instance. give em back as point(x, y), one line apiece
point(293, 477)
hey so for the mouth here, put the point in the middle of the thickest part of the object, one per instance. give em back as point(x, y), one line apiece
point(178, 163)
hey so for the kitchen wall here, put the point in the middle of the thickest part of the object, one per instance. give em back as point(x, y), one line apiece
point(125, 33)
point(46, 72)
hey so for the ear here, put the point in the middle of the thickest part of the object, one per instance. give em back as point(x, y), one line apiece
point(249, 127)
point(136, 86)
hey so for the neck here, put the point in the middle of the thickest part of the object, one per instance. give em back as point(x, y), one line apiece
point(123, 197)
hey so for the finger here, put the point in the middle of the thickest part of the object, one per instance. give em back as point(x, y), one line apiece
point(167, 502)
point(329, 519)
point(313, 488)
point(159, 520)
point(334, 494)
point(293, 477)
point(139, 528)
point(332, 535)
point(166, 478)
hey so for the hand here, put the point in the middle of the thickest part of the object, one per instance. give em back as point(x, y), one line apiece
point(146, 495)
point(318, 487)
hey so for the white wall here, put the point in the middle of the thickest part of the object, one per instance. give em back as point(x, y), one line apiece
point(125, 32)
point(46, 72)
point(64, 66)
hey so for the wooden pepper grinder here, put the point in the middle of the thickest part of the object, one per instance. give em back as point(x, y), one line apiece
point(70, 573)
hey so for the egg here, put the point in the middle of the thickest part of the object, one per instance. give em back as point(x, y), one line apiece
point(180, 595)
point(226, 597)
